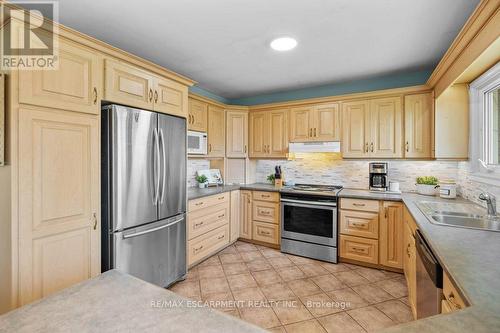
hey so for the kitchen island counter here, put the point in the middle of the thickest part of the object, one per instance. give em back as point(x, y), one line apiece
point(117, 302)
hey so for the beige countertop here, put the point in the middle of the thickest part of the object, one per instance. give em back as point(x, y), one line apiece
point(117, 302)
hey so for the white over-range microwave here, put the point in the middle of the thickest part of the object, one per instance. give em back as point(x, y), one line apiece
point(197, 143)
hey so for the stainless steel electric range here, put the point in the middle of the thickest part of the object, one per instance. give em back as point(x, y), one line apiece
point(309, 221)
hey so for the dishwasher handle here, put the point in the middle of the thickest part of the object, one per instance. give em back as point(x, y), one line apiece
point(431, 264)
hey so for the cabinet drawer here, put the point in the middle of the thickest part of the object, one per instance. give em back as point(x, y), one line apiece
point(266, 232)
point(451, 294)
point(266, 196)
point(205, 202)
point(200, 222)
point(359, 223)
point(266, 211)
point(358, 204)
point(205, 245)
point(360, 249)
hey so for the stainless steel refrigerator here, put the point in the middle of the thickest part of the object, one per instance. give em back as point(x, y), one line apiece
point(143, 194)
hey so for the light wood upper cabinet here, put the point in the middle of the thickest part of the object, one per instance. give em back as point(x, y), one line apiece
point(327, 122)
point(198, 116)
point(356, 129)
point(278, 136)
point(419, 123)
point(59, 228)
point(76, 85)
point(268, 134)
point(386, 126)
point(246, 214)
point(216, 131)
point(315, 123)
point(301, 124)
point(372, 128)
point(258, 134)
point(237, 134)
point(391, 235)
point(170, 97)
point(129, 85)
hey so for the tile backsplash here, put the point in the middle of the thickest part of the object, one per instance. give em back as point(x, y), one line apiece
point(330, 169)
point(194, 165)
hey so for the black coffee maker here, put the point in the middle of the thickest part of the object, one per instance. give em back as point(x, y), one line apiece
point(378, 176)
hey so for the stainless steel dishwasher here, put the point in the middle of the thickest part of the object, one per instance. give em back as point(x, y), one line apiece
point(429, 279)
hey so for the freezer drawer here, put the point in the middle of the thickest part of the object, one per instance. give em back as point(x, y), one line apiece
point(155, 252)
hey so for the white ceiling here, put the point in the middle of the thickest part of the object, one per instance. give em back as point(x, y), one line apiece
point(223, 44)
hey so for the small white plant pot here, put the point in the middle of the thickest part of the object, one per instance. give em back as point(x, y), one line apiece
point(427, 189)
point(202, 185)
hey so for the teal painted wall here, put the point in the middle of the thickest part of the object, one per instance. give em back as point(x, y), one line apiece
point(379, 83)
point(200, 91)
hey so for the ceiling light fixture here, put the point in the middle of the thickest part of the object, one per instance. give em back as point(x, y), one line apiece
point(283, 44)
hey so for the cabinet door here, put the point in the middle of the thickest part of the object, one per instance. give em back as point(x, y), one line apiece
point(301, 124)
point(129, 85)
point(170, 97)
point(59, 229)
point(326, 122)
point(76, 85)
point(216, 132)
point(278, 137)
point(237, 133)
point(235, 216)
point(246, 214)
point(419, 117)
point(198, 116)
point(259, 134)
point(356, 129)
point(386, 123)
point(391, 235)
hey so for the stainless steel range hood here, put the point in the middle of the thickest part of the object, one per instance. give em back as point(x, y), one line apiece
point(314, 147)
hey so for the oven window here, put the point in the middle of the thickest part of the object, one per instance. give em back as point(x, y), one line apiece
point(307, 220)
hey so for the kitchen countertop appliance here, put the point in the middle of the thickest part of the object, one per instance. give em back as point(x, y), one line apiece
point(378, 176)
point(309, 221)
point(143, 194)
point(429, 279)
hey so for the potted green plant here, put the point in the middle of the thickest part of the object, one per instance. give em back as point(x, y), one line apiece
point(202, 181)
point(271, 178)
point(427, 185)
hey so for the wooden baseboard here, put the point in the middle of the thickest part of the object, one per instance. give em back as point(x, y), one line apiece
point(365, 264)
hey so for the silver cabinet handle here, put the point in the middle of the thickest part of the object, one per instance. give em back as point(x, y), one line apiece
point(153, 229)
point(162, 140)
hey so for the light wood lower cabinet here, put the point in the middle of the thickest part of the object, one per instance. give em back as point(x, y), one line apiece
point(359, 249)
point(59, 214)
point(266, 211)
point(246, 214)
point(362, 224)
point(202, 221)
point(235, 216)
point(206, 202)
point(76, 85)
point(452, 299)
point(266, 232)
point(391, 235)
point(410, 259)
point(207, 244)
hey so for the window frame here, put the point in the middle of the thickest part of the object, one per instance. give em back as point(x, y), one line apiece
point(481, 125)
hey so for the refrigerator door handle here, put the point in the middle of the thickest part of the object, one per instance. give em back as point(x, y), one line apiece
point(162, 140)
point(157, 160)
point(153, 229)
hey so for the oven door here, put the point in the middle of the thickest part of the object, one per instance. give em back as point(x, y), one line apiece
point(309, 222)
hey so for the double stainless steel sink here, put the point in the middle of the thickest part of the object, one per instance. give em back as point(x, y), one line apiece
point(463, 215)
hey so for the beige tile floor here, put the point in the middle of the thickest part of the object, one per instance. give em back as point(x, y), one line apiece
point(297, 294)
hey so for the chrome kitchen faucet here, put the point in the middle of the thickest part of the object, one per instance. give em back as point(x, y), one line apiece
point(491, 202)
